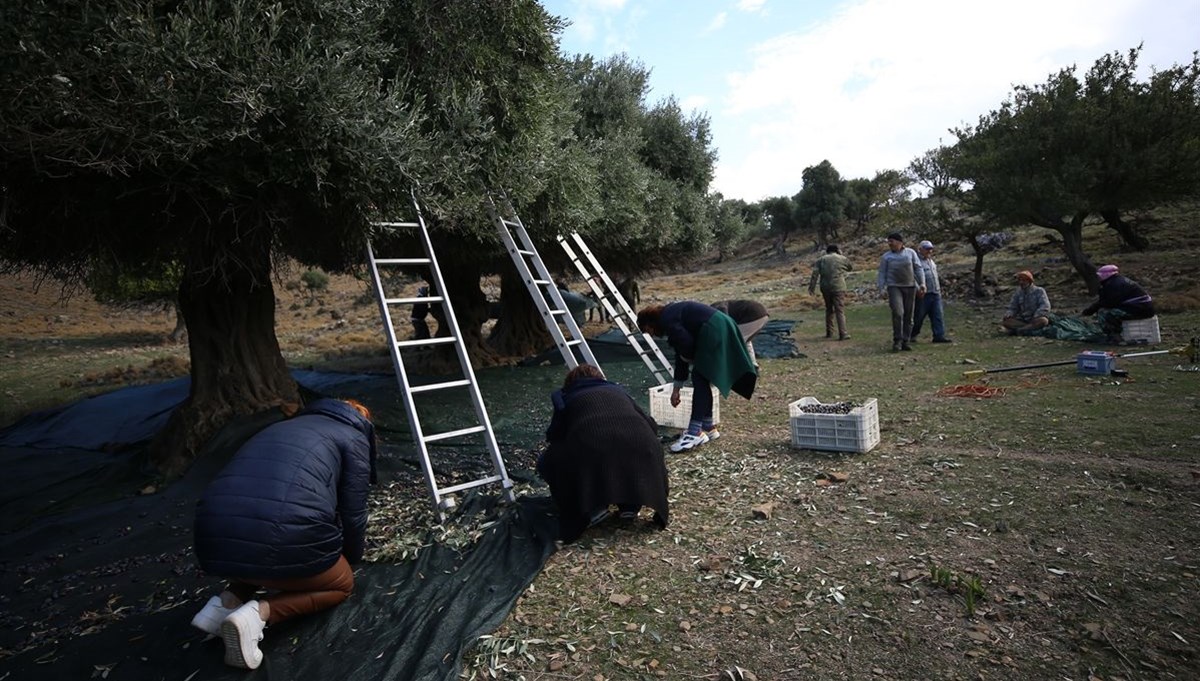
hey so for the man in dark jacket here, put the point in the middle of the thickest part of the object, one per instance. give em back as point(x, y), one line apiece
point(289, 514)
point(1120, 298)
point(602, 450)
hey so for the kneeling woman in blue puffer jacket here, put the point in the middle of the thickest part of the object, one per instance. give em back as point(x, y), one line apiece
point(287, 514)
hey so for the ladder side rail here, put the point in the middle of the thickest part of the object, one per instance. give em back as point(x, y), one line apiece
point(410, 407)
point(539, 296)
point(568, 319)
point(605, 298)
point(465, 363)
point(625, 309)
point(534, 288)
point(660, 375)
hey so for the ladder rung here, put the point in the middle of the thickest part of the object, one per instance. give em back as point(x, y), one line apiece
point(425, 341)
point(454, 433)
point(558, 313)
point(575, 341)
point(396, 224)
point(437, 386)
point(469, 485)
point(526, 253)
point(510, 223)
point(402, 261)
point(542, 282)
point(410, 301)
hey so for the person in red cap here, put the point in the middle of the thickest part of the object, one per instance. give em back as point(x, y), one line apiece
point(1029, 308)
point(1120, 299)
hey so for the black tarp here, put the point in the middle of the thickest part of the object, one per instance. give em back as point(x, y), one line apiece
point(97, 577)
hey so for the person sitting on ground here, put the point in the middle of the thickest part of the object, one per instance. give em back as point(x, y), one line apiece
point(1120, 298)
point(751, 316)
point(288, 514)
point(602, 450)
point(1029, 309)
point(830, 272)
point(710, 342)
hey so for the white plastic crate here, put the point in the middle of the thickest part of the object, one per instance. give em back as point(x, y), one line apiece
point(1141, 331)
point(677, 417)
point(857, 431)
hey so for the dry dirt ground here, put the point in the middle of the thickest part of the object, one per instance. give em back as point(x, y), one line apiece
point(1048, 532)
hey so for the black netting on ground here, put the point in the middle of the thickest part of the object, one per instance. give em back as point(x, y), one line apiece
point(98, 578)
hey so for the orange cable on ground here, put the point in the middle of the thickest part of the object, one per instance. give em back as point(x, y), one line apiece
point(970, 391)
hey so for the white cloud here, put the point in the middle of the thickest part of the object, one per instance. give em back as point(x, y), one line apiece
point(717, 22)
point(693, 103)
point(751, 5)
point(880, 82)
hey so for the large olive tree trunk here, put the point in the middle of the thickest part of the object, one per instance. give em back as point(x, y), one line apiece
point(520, 330)
point(237, 367)
point(1128, 233)
point(1072, 245)
point(977, 271)
point(470, 311)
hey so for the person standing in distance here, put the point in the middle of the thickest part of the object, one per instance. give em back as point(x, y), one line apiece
point(930, 304)
point(829, 271)
point(901, 279)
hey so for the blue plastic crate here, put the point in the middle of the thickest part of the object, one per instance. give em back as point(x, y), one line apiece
point(1094, 362)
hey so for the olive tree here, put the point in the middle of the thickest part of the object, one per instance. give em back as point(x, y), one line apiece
point(224, 136)
point(1057, 152)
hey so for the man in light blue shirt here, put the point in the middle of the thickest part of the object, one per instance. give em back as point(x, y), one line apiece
point(900, 278)
point(930, 304)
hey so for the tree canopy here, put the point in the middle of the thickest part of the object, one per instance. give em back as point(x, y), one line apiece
point(225, 136)
point(821, 203)
point(1060, 151)
point(214, 139)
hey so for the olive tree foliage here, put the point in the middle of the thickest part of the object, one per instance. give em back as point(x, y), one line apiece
point(877, 203)
point(821, 202)
point(1055, 153)
point(733, 221)
point(225, 136)
point(779, 215)
point(1144, 139)
point(647, 197)
point(945, 211)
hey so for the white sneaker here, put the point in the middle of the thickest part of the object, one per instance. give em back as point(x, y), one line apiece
point(210, 616)
point(712, 434)
point(688, 441)
point(242, 631)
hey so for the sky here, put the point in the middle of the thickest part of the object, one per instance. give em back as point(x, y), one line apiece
point(868, 85)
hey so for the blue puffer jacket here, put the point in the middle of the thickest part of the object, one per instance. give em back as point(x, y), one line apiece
point(292, 499)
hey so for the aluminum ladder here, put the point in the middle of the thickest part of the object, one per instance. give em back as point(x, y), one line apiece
point(443, 499)
point(540, 284)
point(617, 307)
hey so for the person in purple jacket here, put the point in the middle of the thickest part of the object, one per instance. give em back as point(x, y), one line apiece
point(287, 514)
